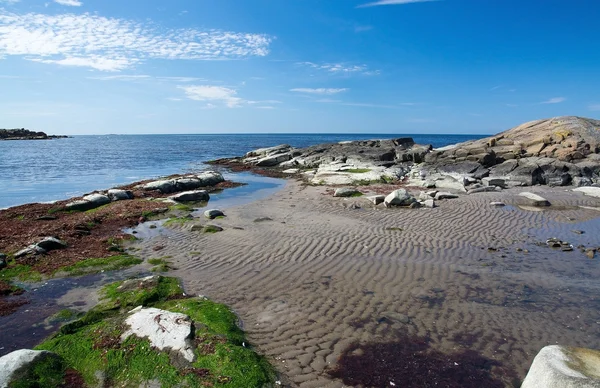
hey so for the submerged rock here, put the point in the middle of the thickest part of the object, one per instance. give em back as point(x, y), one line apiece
point(564, 367)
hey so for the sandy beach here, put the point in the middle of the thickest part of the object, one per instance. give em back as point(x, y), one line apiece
point(310, 274)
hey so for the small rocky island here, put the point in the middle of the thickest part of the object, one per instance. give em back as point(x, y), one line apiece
point(25, 134)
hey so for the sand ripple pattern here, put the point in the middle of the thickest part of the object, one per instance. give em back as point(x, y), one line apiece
point(321, 275)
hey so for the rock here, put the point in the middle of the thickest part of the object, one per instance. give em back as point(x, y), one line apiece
point(279, 149)
point(399, 197)
point(534, 199)
point(263, 219)
point(164, 186)
point(191, 196)
point(497, 204)
point(429, 203)
point(147, 282)
point(451, 184)
point(274, 160)
point(484, 189)
point(415, 205)
point(445, 195)
point(590, 253)
point(88, 202)
point(494, 182)
point(345, 192)
point(376, 199)
point(392, 315)
point(30, 250)
point(51, 243)
point(591, 191)
point(25, 368)
point(165, 330)
point(119, 195)
point(580, 181)
point(291, 171)
point(3, 262)
point(564, 367)
point(213, 213)
point(210, 178)
point(211, 229)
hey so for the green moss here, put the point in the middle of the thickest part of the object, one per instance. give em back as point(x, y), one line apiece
point(19, 272)
point(161, 265)
point(358, 194)
point(211, 229)
point(357, 170)
point(54, 210)
point(177, 221)
point(110, 263)
point(47, 372)
point(182, 207)
point(93, 343)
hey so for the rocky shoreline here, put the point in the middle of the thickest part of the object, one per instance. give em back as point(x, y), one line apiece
point(25, 134)
point(340, 237)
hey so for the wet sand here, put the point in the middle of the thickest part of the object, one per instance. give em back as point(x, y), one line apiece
point(322, 274)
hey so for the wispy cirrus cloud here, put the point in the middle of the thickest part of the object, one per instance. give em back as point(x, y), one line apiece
point(391, 2)
point(325, 91)
point(115, 44)
point(555, 100)
point(340, 68)
point(70, 3)
point(215, 96)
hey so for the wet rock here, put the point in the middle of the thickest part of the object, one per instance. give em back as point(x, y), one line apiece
point(119, 195)
point(562, 245)
point(590, 253)
point(165, 330)
point(534, 199)
point(345, 192)
point(398, 317)
point(263, 219)
point(445, 195)
point(27, 367)
point(399, 197)
point(564, 367)
point(211, 229)
point(376, 199)
point(3, 260)
point(213, 213)
point(497, 204)
point(578, 231)
point(415, 205)
point(191, 196)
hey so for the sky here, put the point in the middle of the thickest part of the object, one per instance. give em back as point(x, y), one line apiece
point(296, 66)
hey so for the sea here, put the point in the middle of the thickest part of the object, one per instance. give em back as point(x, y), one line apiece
point(57, 169)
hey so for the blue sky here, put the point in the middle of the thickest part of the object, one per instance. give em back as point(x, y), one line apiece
point(234, 66)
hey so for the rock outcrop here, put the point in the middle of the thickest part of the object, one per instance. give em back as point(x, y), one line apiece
point(25, 134)
point(24, 367)
point(188, 182)
point(555, 152)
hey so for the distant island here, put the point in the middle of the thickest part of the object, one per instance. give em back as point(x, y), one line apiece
point(25, 134)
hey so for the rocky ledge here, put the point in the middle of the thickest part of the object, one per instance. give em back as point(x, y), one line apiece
point(556, 152)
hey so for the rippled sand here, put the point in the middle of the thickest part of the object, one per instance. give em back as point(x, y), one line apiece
point(322, 274)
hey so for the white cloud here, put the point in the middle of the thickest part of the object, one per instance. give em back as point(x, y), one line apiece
point(594, 107)
point(392, 2)
point(328, 100)
point(207, 93)
point(121, 77)
point(555, 100)
point(319, 90)
point(113, 44)
point(340, 68)
point(70, 3)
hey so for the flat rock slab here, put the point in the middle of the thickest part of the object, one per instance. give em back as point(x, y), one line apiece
point(191, 196)
point(21, 364)
point(345, 192)
point(376, 199)
point(564, 367)
point(591, 191)
point(445, 195)
point(534, 199)
point(165, 330)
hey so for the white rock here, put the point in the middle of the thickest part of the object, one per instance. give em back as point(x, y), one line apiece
point(591, 191)
point(429, 203)
point(19, 361)
point(290, 171)
point(445, 195)
point(210, 178)
point(164, 329)
point(376, 199)
point(399, 197)
point(534, 199)
point(345, 192)
point(564, 367)
point(450, 183)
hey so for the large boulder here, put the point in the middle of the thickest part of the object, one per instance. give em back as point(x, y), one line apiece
point(51, 243)
point(564, 367)
point(165, 330)
point(31, 368)
point(88, 202)
point(119, 195)
point(399, 197)
point(191, 196)
point(210, 178)
point(189, 182)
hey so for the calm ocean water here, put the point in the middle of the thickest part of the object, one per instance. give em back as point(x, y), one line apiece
point(49, 170)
